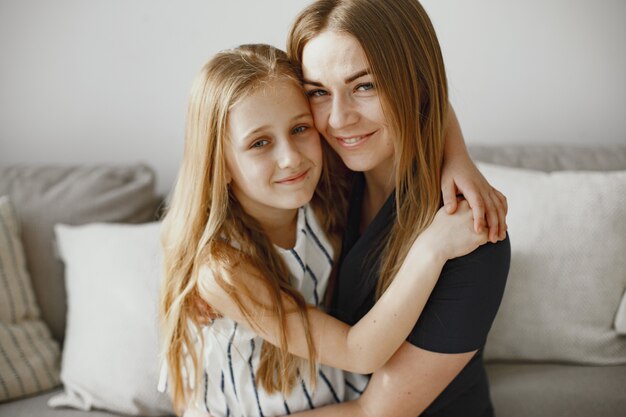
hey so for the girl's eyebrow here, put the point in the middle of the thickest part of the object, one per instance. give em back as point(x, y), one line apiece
point(301, 115)
point(348, 80)
point(249, 136)
point(313, 83)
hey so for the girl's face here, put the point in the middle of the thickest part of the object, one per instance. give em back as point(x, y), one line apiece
point(345, 103)
point(274, 154)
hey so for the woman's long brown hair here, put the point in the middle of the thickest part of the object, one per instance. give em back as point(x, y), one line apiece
point(405, 60)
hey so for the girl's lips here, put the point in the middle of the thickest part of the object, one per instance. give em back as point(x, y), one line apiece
point(351, 142)
point(294, 178)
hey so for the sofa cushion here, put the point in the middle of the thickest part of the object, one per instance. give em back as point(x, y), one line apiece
point(566, 281)
point(47, 195)
point(28, 355)
point(35, 406)
point(550, 390)
point(110, 357)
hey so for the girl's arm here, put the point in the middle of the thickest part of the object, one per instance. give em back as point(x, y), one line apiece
point(411, 380)
point(460, 176)
point(366, 346)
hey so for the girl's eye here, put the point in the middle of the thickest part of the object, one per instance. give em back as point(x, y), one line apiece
point(299, 129)
point(365, 87)
point(259, 144)
point(316, 93)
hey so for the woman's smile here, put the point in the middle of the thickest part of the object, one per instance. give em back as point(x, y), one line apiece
point(351, 142)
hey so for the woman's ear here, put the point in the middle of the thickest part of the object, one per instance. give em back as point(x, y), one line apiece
point(229, 178)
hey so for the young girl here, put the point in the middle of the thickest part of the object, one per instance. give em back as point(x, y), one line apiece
point(250, 239)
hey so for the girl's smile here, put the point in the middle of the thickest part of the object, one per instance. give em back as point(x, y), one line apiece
point(294, 179)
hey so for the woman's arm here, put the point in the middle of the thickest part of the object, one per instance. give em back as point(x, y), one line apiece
point(460, 176)
point(366, 346)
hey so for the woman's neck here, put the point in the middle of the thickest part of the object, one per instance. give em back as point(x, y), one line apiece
point(379, 183)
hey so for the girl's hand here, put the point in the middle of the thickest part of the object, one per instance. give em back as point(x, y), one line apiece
point(488, 204)
point(452, 235)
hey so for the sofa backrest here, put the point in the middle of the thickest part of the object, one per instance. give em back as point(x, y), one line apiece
point(46, 195)
point(553, 157)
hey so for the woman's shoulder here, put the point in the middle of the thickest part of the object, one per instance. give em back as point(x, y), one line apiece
point(465, 300)
point(487, 266)
point(489, 256)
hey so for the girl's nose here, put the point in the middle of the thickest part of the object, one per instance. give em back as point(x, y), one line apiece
point(289, 155)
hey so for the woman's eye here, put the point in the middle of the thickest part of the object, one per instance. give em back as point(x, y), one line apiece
point(299, 129)
point(365, 87)
point(315, 93)
point(259, 144)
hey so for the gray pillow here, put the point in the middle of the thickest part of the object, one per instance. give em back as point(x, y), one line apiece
point(46, 195)
point(29, 358)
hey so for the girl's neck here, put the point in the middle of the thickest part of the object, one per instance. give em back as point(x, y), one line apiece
point(280, 227)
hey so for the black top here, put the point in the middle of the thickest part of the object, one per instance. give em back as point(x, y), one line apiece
point(457, 316)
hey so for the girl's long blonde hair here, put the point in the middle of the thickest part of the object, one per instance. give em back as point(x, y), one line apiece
point(204, 218)
point(407, 65)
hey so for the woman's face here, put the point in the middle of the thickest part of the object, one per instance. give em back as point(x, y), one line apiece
point(345, 102)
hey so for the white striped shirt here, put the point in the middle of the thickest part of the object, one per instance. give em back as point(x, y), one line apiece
point(232, 352)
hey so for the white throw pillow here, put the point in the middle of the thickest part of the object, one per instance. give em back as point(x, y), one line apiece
point(110, 357)
point(29, 358)
point(568, 266)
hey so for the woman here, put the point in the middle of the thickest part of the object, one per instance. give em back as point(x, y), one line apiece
point(375, 77)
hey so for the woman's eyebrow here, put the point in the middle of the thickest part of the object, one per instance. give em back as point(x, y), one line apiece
point(348, 80)
point(357, 75)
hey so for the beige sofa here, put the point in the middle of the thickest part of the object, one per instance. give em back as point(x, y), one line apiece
point(528, 377)
point(558, 347)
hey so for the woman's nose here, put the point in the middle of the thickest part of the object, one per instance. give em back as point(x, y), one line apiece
point(342, 113)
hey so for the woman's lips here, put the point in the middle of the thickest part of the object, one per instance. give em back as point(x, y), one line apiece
point(353, 141)
point(294, 179)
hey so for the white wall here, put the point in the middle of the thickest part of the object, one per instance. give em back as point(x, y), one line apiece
point(536, 70)
point(107, 81)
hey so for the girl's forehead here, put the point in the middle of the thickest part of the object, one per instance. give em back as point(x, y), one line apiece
point(269, 88)
point(274, 104)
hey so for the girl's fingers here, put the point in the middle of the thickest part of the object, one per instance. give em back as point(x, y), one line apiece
point(503, 201)
point(448, 191)
point(477, 205)
point(492, 218)
point(503, 209)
